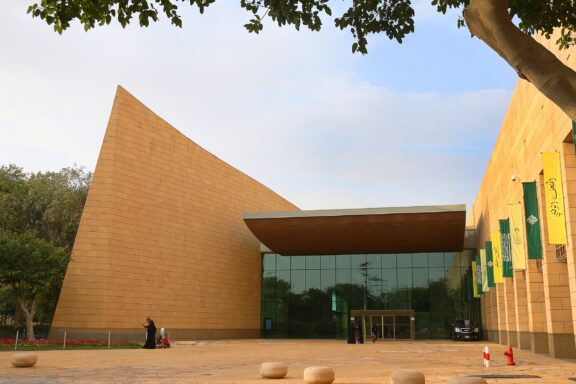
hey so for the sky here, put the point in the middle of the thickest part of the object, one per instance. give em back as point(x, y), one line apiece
point(410, 124)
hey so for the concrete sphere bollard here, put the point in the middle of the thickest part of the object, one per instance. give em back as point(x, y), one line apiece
point(467, 380)
point(318, 375)
point(407, 376)
point(24, 359)
point(273, 370)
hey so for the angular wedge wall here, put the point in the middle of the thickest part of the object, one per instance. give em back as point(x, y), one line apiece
point(162, 235)
point(536, 309)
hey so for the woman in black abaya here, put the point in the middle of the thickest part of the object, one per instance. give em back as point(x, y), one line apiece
point(150, 334)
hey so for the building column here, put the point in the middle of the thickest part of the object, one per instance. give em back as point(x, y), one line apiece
point(494, 315)
point(561, 341)
point(502, 317)
point(521, 299)
point(537, 324)
point(569, 160)
point(510, 306)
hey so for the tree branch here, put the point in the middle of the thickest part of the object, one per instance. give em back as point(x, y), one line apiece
point(490, 21)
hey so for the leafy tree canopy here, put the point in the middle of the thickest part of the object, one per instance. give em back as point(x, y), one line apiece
point(395, 18)
point(38, 222)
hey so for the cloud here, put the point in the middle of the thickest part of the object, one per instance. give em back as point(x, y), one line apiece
point(291, 109)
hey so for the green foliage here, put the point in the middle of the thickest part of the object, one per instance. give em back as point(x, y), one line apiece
point(38, 222)
point(395, 18)
point(30, 266)
point(47, 205)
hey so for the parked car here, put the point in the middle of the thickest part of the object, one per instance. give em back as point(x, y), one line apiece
point(465, 330)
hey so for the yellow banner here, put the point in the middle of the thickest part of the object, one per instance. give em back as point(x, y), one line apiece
point(484, 269)
point(554, 198)
point(517, 236)
point(475, 279)
point(497, 257)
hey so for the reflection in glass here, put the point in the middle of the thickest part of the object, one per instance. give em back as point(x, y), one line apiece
point(312, 296)
point(327, 262)
point(404, 260)
point(313, 279)
point(342, 261)
point(374, 261)
point(269, 261)
point(282, 262)
point(312, 262)
point(358, 261)
point(298, 262)
point(389, 261)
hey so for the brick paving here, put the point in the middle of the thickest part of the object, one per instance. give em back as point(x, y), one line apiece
point(237, 361)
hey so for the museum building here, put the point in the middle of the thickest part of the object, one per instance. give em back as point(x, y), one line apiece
point(172, 232)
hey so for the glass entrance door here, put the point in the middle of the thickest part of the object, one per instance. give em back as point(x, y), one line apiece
point(402, 327)
point(388, 328)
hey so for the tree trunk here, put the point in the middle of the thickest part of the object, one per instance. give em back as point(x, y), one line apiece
point(28, 309)
point(490, 21)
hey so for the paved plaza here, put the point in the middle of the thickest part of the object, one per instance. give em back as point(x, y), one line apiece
point(237, 361)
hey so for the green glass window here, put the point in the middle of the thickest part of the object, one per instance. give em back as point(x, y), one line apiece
point(327, 262)
point(342, 261)
point(312, 262)
point(389, 260)
point(359, 277)
point(436, 260)
point(313, 279)
point(282, 262)
point(311, 296)
point(389, 280)
point(404, 260)
point(358, 261)
point(419, 260)
point(269, 261)
point(298, 281)
point(298, 262)
point(343, 276)
point(374, 260)
point(327, 279)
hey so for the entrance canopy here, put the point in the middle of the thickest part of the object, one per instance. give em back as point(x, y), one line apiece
point(352, 231)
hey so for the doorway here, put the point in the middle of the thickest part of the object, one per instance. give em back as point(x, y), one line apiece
point(386, 325)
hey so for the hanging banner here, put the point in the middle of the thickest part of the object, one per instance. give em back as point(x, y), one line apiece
point(533, 239)
point(484, 270)
point(478, 275)
point(554, 197)
point(474, 279)
point(497, 257)
point(517, 236)
point(505, 248)
point(489, 265)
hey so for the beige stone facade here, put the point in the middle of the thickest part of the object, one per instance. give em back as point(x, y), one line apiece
point(535, 309)
point(162, 235)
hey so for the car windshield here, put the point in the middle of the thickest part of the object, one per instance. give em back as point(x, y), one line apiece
point(464, 323)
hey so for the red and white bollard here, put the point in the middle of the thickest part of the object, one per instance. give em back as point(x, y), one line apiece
point(486, 355)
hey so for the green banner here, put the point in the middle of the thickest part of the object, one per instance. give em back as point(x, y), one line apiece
point(490, 265)
point(506, 249)
point(533, 238)
point(479, 275)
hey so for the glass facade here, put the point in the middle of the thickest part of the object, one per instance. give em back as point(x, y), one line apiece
point(312, 296)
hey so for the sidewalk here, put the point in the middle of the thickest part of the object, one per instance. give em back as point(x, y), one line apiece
point(237, 361)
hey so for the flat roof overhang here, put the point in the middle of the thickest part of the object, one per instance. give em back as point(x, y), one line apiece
point(372, 230)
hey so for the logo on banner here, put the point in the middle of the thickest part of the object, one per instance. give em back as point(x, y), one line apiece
point(532, 219)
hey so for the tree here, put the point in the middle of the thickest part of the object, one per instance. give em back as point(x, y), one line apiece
point(30, 267)
point(38, 222)
point(507, 26)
